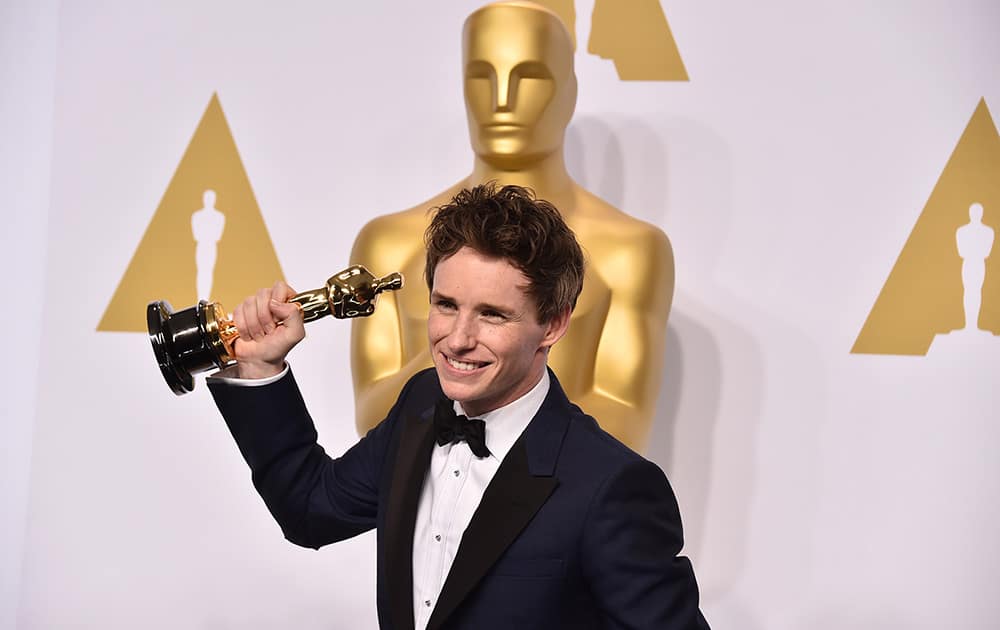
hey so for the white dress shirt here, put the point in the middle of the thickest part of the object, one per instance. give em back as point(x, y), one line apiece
point(452, 490)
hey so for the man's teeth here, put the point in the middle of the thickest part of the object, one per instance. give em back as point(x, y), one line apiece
point(461, 365)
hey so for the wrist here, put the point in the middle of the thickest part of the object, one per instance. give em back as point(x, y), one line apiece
point(258, 369)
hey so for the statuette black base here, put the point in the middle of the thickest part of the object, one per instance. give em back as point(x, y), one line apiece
point(181, 344)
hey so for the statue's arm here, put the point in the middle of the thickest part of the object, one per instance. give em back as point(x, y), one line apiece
point(380, 363)
point(629, 361)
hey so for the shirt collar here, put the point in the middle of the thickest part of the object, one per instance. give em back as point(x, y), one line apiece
point(506, 424)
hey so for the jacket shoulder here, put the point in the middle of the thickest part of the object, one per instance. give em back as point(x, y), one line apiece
point(592, 456)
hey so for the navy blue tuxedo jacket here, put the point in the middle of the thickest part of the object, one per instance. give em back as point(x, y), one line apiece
point(575, 531)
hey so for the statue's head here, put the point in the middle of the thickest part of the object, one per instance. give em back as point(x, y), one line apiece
point(520, 88)
point(976, 212)
point(208, 198)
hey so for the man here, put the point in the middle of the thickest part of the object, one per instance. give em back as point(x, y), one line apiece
point(528, 516)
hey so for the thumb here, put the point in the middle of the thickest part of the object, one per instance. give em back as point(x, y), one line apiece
point(289, 313)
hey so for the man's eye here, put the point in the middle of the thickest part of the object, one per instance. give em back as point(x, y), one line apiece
point(444, 304)
point(493, 315)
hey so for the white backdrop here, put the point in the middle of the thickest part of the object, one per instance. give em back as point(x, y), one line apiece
point(820, 489)
point(27, 77)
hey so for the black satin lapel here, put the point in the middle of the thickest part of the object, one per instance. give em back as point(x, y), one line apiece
point(412, 461)
point(509, 503)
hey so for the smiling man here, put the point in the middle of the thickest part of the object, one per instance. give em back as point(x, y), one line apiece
point(498, 503)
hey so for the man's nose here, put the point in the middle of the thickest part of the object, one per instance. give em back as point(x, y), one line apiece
point(462, 335)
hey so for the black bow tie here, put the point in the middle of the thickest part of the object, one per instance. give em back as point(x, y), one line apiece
point(450, 428)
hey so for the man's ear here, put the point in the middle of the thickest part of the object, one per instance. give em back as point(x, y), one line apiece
point(555, 328)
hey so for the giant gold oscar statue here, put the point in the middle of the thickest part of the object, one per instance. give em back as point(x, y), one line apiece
point(520, 92)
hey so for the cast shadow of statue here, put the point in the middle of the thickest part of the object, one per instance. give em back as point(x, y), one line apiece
point(709, 414)
point(692, 361)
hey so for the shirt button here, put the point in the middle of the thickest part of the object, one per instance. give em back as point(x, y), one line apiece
point(437, 537)
point(456, 473)
point(427, 602)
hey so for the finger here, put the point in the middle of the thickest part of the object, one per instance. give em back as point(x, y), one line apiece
point(263, 305)
point(251, 313)
point(286, 312)
point(282, 292)
point(244, 317)
point(241, 322)
point(289, 314)
point(292, 320)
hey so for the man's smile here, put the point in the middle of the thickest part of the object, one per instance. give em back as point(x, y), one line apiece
point(464, 366)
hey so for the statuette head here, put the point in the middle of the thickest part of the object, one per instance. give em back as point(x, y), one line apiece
point(520, 87)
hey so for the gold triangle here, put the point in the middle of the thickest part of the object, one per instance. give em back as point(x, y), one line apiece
point(164, 267)
point(636, 36)
point(922, 296)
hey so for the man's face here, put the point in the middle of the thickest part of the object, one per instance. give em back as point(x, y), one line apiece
point(487, 344)
point(520, 89)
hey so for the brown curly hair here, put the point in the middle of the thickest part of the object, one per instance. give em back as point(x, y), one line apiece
point(511, 223)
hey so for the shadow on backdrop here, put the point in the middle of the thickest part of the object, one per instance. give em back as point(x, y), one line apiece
point(708, 426)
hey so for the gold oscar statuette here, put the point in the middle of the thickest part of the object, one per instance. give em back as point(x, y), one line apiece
point(201, 338)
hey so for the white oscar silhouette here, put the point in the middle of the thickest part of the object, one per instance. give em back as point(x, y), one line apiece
point(207, 224)
point(975, 242)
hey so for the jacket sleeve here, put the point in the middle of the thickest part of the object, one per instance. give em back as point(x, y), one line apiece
point(631, 545)
point(315, 499)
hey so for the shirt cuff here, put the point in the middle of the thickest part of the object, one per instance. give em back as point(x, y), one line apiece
point(230, 376)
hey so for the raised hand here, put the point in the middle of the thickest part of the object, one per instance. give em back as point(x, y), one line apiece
point(269, 326)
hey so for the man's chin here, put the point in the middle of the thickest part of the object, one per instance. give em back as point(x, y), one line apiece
point(460, 391)
point(453, 390)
